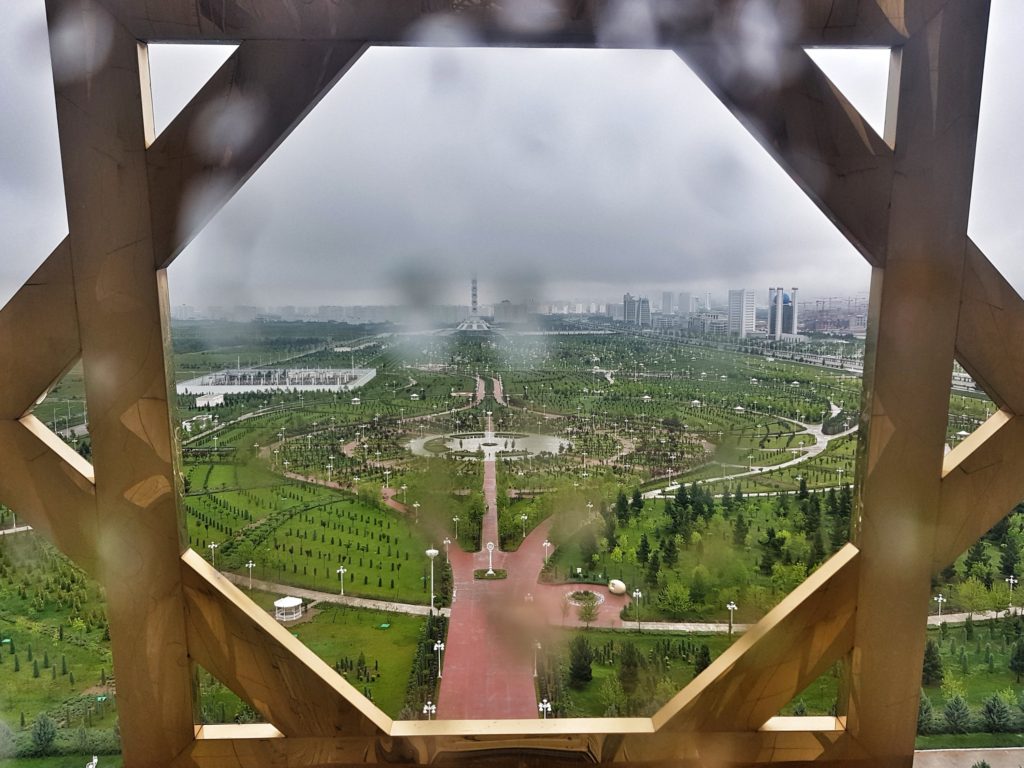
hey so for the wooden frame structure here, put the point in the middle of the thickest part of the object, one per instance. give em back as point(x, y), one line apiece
point(901, 198)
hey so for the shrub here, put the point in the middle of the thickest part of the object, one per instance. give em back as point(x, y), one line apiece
point(43, 734)
point(957, 714)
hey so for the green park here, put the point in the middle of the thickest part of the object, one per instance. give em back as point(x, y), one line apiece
point(709, 479)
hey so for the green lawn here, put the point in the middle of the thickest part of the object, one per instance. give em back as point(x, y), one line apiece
point(341, 635)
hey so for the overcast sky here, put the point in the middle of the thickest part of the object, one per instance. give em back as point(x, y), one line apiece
point(550, 173)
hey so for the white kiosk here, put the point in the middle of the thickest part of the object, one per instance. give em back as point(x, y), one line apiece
point(288, 608)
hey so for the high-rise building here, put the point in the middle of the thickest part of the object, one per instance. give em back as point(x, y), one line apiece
point(629, 306)
point(782, 312)
point(684, 306)
point(741, 312)
point(666, 302)
point(643, 312)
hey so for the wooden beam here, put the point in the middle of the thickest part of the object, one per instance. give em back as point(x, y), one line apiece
point(815, 135)
point(39, 334)
point(252, 654)
point(774, 660)
point(983, 478)
point(119, 301)
point(263, 90)
point(805, 22)
point(991, 323)
point(908, 367)
point(51, 488)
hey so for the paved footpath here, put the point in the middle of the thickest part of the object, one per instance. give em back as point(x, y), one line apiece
point(490, 642)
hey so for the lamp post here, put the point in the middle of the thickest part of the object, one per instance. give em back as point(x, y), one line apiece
point(490, 558)
point(342, 570)
point(544, 707)
point(524, 517)
point(637, 597)
point(1012, 581)
point(731, 606)
point(430, 709)
point(405, 493)
point(212, 546)
point(250, 565)
point(456, 521)
point(416, 509)
point(547, 546)
point(387, 476)
point(536, 650)
point(432, 553)
point(330, 468)
point(940, 600)
point(438, 647)
point(446, 542)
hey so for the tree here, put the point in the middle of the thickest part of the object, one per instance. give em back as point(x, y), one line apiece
point(700, 585)
point(932, 672)
point(7, 745)
point(995, 714)
point(674, 600)
point(925, 714)
point(654, 569)
point(643, 552)
point(670, 554)
point(802, 493)
point(629, 668)
point(740, 530)
point(1017, 659)
point(976, 563)
point(637, 502)
point(43, 734)
point(702, 659)
point(957, 714)
point(972, 595)
point(581, 656)
point(622, 507)
point(587, 611)
point(1009, 560)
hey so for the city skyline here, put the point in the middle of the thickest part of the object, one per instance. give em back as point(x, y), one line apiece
point(558, 171)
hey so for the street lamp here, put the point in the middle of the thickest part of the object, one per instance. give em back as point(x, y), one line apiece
point(438, 647)
point(637, 597)
point(731, 606)
point(446, 542)
point(416, 509)
point(405, 494)
point(544, 707)
point(536, 650)
point(250, 565)
point(342, 570)
point(524, 517)
point(432, 553)
point(213, 553)
point(940, 600)
point(387, 476)
point(547, 546)
point(1012, 581)
point(429, 709)
point(490, 558)
point(456, 521)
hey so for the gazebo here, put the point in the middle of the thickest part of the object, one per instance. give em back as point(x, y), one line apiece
point(288, 608)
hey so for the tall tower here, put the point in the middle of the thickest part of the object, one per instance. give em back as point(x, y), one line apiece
point(793, 300)
point(473, 311)
point(778, 312)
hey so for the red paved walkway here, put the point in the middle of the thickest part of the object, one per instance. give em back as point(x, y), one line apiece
point(494, 625)
point(488, 669)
